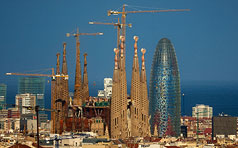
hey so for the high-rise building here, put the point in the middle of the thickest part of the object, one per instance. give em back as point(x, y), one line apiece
point(28, 100)
point(34, 86)
point(164, 91)
point(108, 87)
point(202, 111)
point(3, 94)
point(129, 117)
point(107, 92)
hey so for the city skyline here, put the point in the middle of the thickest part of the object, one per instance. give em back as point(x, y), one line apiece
point(204, 37)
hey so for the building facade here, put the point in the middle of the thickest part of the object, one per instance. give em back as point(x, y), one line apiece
point(129, 117)
point(164, 91)
point(28, 100)
point(34, 86)
point(3, 94)
point(202, 111)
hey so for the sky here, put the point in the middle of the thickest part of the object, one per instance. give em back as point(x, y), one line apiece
point(205, 38)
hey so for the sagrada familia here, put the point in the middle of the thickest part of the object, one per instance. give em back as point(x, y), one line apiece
point(128, 115)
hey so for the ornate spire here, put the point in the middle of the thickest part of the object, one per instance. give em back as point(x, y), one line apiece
point(58, 64)
point(78, 91)
point(136, 38)
point(85, 79)
point(136, 117)
point(116, 56)
point(143, 51)
point(122, 45)
point(64, 88)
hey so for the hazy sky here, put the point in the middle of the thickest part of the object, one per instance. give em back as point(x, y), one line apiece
point(205, 39)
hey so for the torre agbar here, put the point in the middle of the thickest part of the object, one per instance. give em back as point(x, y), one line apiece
point(164, 91)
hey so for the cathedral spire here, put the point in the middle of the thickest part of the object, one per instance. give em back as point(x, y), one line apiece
point(135, 95)
point(64, 88)
point(78, 91)
point(85, 78)
point(116, 57)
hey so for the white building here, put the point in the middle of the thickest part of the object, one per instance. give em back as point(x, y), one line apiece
point(202, 111)
point(108, 87)
point(107, 92)
point(25, 100)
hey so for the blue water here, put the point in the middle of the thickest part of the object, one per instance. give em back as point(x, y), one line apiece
point(222, 96)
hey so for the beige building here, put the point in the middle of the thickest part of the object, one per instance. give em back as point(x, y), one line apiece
point(129, 118)
point(202, 111)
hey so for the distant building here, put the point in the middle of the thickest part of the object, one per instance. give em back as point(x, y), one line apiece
point(224, 126)
point(34, 86)
point(25, 100)
point(3, 94)
point(164, 92)
point(202, 111)
point(108, 87)
point(101, 94)
point(107, 92)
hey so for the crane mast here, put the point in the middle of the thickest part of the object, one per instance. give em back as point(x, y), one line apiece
point(118, 26)
point(124, 13)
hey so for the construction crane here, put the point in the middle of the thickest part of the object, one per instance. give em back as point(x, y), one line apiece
point(77, 34)
point(52, 75)
point(124, 13)
point(118, 25)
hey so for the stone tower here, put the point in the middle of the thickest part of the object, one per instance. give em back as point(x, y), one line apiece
point(53, 99)
point(116, 101)
point(144, 99)
point(78, 89)
point(85, 79)
point(129, 119)
point(135, 95)
point(64, 88)
point(123, 89)
point(59, 101)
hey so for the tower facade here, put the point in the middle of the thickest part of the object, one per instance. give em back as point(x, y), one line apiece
point(164, 91)
point(64, 88)
point(129, 118)
point(78, 89)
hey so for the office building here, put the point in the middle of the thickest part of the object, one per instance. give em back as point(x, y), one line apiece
point(224, 126)
point(108, 87)
point(164, 90)
point(202, 111)
point(27, 100)
point(34, 86)
point(3, 94)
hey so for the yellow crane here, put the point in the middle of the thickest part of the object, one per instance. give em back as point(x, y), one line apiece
point(77, 34)
point(124, 13)
point(118, 26)
point(52, 75)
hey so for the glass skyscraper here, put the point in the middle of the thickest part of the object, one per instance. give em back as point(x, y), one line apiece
point(164, 91)
point(3, 94)
point(33, 85)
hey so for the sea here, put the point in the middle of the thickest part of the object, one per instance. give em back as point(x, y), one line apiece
point(222, 96)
